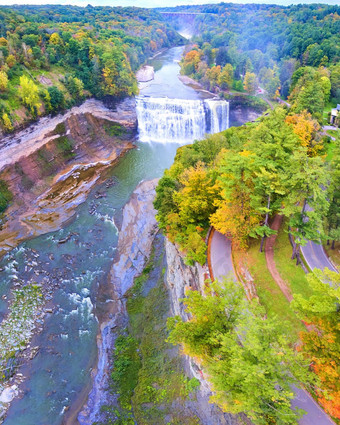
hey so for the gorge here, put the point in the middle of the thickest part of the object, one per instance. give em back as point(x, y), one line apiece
point(79, 294)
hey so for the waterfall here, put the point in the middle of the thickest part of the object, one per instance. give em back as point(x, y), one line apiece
point(180, 120)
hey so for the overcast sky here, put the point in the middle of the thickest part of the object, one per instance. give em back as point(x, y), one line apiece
point(157, 3)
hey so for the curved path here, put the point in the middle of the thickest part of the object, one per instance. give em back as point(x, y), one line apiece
point(221, 265)
point(315, 257)
point(220, 260)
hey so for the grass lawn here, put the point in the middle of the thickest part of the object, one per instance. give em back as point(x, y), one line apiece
point(292, 274)
point(330, 150)
point(270, 295)
point(333, 133)
point(328, 107)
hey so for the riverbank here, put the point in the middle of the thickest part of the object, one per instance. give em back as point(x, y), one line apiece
point(50, 169)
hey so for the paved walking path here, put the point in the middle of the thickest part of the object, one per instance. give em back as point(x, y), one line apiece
point(315, 257)
point(221, 264)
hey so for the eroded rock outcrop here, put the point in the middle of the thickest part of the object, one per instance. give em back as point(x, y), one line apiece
point(51, 167)
point(179, 278)
point(145, 74)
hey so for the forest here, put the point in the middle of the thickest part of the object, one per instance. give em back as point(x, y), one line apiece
point(284, 163)
point(53, 57)
point(237, 181)
point(282, 49)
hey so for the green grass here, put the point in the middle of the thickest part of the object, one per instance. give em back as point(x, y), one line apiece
point(327, 109)
point(334, 254)
point(269, 293)
point(333, 133)
point(330, 150)
point(292, 274)
point(147, 372)
point(6, 196)
point(114, 129)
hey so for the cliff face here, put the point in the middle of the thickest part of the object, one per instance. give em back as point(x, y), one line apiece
point(51, 167)
point(179, 278)
point(136, 237)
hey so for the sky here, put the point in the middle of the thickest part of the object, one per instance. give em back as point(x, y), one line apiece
point(158, 3)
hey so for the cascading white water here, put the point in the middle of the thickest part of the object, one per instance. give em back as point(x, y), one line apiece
point(180, 120)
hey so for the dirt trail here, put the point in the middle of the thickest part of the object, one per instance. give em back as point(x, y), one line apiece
point(269, 250)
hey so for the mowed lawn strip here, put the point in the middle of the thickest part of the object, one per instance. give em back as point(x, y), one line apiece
point(294, 275)
point(269, 293)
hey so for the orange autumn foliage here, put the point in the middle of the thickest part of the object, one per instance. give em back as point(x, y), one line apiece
point(306, 128)
point(321, 345)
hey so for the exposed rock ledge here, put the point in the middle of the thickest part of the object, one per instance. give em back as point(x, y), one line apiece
point(136, 236)
point(29, 140)
point(145, 74)
point(51, 166)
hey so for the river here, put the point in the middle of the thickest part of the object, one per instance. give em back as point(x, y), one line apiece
point(76, 261)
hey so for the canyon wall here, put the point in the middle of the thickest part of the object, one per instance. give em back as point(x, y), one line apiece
point(51, 166)
point(179, 279)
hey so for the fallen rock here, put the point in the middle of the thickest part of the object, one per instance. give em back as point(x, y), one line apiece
point(8, 394)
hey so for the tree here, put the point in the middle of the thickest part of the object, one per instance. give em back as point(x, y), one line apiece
point(306, 128)
point(7, 122)
point(10, 61)
point(332, 225)
point(235, 215)
point(212, 76)
point(57, 99)
point(273, 143)
point(75, 87)
point(326, 87)
point(28, 93)
point(250, 83)
point(272, 83)
point(321, 343)
point(306, 203)
point(248, 359)
point(3, 81)
point(55, 39)
point(225, 79)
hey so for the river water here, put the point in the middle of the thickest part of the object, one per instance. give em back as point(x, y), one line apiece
point(76, 261)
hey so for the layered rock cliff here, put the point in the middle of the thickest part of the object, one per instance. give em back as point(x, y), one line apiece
point(51, 167)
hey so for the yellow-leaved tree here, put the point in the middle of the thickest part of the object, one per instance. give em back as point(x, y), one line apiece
point(250, 83)
point(3, 81)
point(7, 122)
point(28, 92)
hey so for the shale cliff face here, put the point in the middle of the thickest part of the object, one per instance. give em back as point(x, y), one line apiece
point(179, 278)
point(51, 166)
point(136, 236)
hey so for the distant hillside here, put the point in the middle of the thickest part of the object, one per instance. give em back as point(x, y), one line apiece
point(51, 57)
